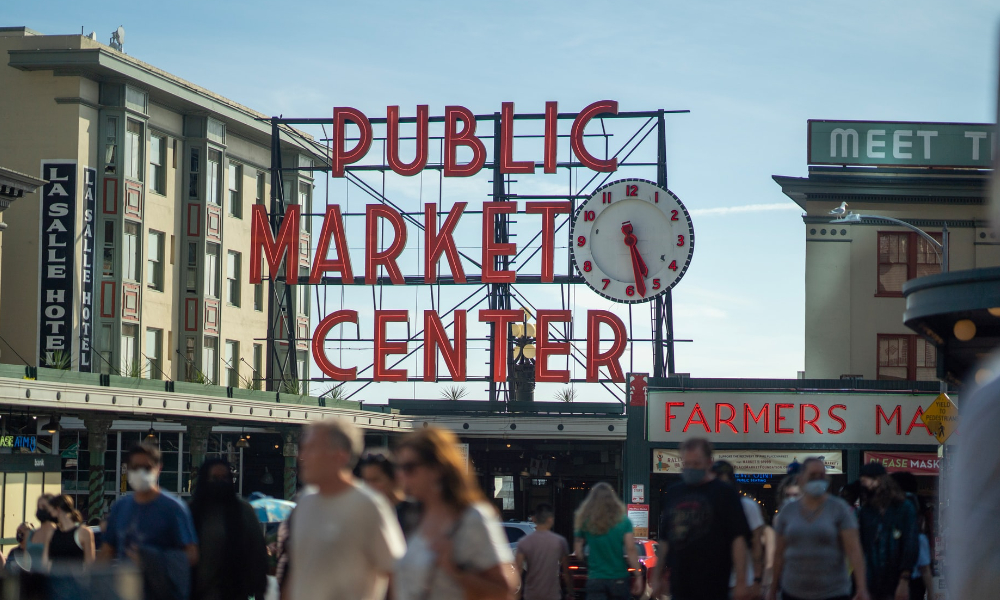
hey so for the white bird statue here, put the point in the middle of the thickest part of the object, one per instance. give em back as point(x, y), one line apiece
point(840, 210)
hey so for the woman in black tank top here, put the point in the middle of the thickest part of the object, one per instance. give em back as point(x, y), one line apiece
point(70, 542)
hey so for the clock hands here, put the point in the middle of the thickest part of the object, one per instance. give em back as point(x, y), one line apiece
point(639, 268)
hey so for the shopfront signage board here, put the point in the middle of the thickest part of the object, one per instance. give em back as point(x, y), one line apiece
point(788, 418)
point(941, 417)
point(901, 144)
point(918, 463)
point(751, 462)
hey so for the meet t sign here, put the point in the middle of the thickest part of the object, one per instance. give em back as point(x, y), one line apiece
point(901, 144)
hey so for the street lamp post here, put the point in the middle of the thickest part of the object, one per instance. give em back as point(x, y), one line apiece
point(940, 247)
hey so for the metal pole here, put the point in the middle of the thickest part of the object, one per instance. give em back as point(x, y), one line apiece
point(663, 304)
point(944, 248)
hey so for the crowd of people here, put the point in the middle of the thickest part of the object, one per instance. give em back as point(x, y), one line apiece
point(414, 525)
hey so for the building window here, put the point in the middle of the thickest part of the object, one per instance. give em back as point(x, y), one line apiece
point(190, 374)
point(906, 357)
point(210, 359)
point(111, 146)
point(157, 167)
point(106, 351)
point(260, 186)
point(130, 252)
point(130, 365)
point(134, 141)
point(212, 270)
point(258, 365)
point(235, 190)
point(233, 278)
point(192, 267)
point(903, 256)
point(301, 363)
point(193, 175)
point(302, 300)
point(305, 191)
point(232, 364)
point(154, 353)
point(212, 175)
point(154, 260)
point(108, 269)
point(258, 297)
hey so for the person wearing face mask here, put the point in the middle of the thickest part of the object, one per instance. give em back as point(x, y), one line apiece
point(889, 537)
point(233, 561)
point(153, 529)
point(816, 537)
point(39, 538)
point(70, 543)
point(702, 533)
point(17, 558)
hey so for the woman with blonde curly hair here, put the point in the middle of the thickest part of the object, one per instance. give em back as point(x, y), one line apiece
point(602, 525)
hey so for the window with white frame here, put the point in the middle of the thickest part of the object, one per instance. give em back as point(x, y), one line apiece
point(134, 142)
point(154, 260)
point(261, 179)
point(235, 190)
point(232, 359)
point(210, 359)
point(130, 251)
point(130, 365)
point(258, 366)
point(233, 260)
point(212, 270)
point(157, 164)
point(213, 176)
point(154, 354)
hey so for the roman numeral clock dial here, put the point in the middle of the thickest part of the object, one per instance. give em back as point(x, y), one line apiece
point(632, 240)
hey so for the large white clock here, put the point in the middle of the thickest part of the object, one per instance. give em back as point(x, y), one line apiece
point(632, 240)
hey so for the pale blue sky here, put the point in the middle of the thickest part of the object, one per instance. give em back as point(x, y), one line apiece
point(751, 73)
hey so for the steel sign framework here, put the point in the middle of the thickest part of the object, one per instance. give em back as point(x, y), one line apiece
point(375, 175)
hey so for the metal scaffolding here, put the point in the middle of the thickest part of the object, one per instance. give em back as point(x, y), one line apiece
point(639, 126)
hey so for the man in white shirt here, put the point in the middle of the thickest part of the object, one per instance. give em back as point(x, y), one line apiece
point(345, 538)
point(755, 566)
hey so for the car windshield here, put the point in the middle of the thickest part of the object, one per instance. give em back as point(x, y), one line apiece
point(642, 549)
point(513, 534)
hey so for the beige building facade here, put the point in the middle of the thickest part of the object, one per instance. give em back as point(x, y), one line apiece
point(135, 260)
point(855, 271)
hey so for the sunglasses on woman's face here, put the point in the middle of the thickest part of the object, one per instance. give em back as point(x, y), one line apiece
point(408, 467)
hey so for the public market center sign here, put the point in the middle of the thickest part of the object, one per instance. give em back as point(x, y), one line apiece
point(767, 418)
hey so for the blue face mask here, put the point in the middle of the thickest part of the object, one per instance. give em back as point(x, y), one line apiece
point(816, 488)
point(693, 476)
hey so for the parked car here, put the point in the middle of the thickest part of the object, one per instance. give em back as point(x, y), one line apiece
point(578, 568)
point(516, 530)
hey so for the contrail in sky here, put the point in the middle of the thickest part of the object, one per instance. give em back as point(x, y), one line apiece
point(746, 208)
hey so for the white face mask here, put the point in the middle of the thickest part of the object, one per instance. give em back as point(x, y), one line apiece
point(141, 480)
point(816, 487)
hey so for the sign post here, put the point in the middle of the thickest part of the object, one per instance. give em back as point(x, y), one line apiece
point(941, 418)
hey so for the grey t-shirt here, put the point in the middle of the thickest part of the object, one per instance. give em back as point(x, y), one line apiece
point(815, 563)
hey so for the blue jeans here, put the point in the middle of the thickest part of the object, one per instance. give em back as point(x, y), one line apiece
point(608, 589)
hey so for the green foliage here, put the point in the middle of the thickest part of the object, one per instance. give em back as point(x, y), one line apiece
point(60, 359)
point(566, 395)
point(291, 387)
point(454, 392)
point(132, 369)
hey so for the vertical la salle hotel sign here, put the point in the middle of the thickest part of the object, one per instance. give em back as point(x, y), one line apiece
point(56, 273)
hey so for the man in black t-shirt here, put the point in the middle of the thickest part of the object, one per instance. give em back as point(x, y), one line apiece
point(702, 533)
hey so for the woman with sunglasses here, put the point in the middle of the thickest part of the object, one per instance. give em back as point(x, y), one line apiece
point(458, 550)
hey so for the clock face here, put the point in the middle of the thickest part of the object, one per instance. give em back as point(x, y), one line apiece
point(632, 240)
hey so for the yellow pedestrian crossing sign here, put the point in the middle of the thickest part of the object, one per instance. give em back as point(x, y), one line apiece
point(941, 417)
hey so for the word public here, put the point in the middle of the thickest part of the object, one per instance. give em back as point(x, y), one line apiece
point(455, 136)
